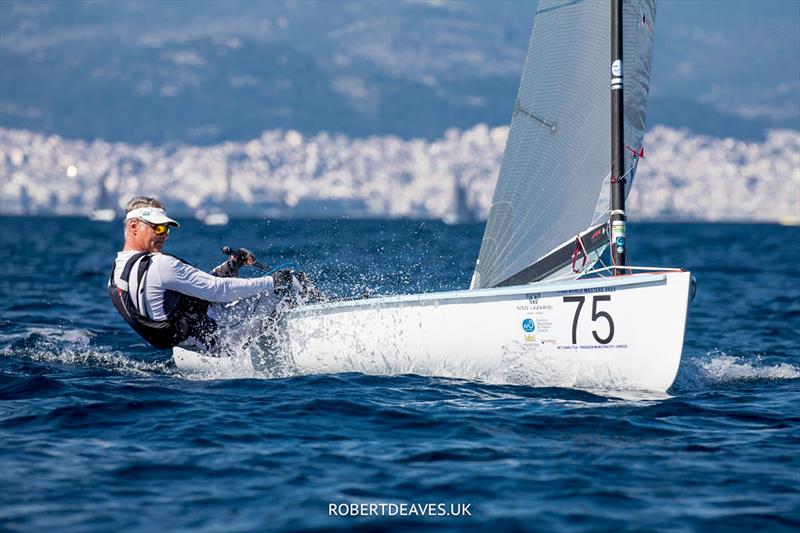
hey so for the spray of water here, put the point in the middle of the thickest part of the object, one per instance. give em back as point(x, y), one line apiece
point(75, 347)
point(259, 355)
point(717, 367)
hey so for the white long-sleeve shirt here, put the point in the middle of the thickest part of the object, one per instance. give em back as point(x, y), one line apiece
point(167, 273)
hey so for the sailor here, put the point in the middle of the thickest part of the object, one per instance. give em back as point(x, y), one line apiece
point(170, 302)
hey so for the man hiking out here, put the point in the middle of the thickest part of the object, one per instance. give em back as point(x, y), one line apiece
point(170, 302)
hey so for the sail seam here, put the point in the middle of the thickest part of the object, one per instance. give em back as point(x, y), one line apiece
point(519, 108)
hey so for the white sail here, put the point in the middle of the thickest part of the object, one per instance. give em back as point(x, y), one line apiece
point(554, 179)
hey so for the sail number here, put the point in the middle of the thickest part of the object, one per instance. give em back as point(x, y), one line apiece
point(596, 315)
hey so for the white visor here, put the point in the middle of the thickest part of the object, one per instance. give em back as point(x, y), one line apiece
point(152, 215)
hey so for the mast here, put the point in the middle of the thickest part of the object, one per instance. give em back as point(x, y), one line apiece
point(619, 255)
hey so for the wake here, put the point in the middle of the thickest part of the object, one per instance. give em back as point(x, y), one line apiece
point(75, 348)
point(715, 368)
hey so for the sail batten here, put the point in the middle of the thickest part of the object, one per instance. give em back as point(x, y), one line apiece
point(554, 178)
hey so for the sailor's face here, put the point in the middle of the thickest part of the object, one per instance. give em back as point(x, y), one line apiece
point(157, 241)
point(147, 239)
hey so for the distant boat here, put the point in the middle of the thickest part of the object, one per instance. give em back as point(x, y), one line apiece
point(461, 213)
point(218, 216)
point(216, 219)
point(104, 210)
point(103, 215)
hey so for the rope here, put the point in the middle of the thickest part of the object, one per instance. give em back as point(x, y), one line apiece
point(632, 169)
point(600, 259)
point(284, 265)
point(578, 247)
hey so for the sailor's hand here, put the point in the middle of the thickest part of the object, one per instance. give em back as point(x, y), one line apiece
point(243, 256)
point(247, 255)
point(238, 257)
point(282, 280)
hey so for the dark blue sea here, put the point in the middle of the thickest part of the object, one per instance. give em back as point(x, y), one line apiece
point(100, 432)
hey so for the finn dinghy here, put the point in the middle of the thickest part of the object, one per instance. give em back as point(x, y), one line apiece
point(539, 310)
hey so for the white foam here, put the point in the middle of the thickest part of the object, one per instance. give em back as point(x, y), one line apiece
point(730, 368)
point(719, 367)
point(73, 347)
point(519, 367)
point(50, 333)
point(97, 357)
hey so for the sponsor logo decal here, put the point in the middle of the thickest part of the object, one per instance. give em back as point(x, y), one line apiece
point(528, 325)
point(586, 290)
point(537, 308)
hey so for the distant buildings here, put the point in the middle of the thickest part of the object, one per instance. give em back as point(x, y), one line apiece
point(284, 174)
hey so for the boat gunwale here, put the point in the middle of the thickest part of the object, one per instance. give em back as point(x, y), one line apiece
point(474, 295)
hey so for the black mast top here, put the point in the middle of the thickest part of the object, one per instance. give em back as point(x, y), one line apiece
point(618, 252)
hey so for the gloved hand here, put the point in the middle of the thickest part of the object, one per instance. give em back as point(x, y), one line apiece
point(238, 258)
point(283, 280)
point(242, 256)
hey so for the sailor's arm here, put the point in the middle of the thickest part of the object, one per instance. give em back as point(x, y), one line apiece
point(186, 279)
point(228, 269)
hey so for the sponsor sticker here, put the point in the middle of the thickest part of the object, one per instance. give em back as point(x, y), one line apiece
point(586, 290)
point(528, 325)
point(537, 309)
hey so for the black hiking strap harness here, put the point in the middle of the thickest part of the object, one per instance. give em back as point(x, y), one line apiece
point(186, 319)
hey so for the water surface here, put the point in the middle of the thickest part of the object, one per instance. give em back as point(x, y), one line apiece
point(101, 432)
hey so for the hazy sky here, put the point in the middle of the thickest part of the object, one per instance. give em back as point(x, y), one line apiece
point(206, 71)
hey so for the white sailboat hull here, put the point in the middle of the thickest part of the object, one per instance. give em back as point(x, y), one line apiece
point(103, 215)
point(216, 219)
point(613, 333)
